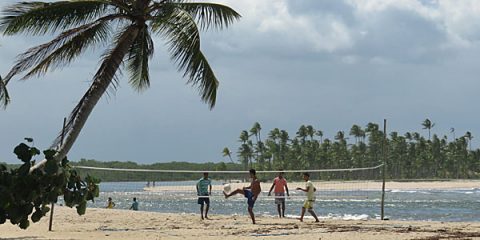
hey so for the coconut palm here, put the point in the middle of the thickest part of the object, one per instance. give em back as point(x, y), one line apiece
point(126, 27)
point(427, 124)
point(227, 153)
point(468, 135)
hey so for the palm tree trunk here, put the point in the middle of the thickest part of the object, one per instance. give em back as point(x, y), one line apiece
point(102, 80)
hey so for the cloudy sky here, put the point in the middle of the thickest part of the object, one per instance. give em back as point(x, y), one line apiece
point(328, 63)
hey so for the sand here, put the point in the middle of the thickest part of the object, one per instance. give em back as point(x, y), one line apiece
point(100, 224)
point(347, 185)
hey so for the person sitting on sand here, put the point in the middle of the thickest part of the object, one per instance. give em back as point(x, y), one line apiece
point(280, 185)
point(308, 204)
point(204, 190)
point(134, 206)
point(110, 203)
point(251, 193)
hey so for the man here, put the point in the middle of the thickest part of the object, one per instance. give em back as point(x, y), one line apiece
point(308, 204)
point(110, 203)
point(204, 191)
point(134, 206)
point(251, 193)
point(280, 185)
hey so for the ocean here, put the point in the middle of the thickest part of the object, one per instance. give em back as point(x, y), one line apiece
point(462, 205)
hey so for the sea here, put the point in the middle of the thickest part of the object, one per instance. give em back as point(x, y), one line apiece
point(458, 205)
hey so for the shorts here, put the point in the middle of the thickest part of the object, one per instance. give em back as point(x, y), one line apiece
point(279, 198)
point(308, 204)
point(249, 196)
point(204, 200)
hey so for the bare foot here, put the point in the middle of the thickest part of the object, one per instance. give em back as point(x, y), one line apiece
point(317, 221)
point(207, 218)
point(301, 219)
point(202, 217)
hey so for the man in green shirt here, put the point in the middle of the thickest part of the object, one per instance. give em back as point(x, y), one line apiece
point(204, 190)
point(308, 204)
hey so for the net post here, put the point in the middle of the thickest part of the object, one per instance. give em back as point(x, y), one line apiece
point(50, 222)
point(382, 214)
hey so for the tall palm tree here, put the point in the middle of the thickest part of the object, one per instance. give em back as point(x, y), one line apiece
point(126, 27)
point(427, 124)
point(469, 136)
point(227, 153)
point(320, 134)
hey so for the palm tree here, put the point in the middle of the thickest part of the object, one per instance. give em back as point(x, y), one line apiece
point(126, 26)
point(452, 131)
point(320, 134)
point(226, 152)
point(427, 124)
point(468, 135)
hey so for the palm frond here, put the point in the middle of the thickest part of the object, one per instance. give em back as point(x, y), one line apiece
point(61, 50)
point(4, 97)
point(137, 61)
point(208, 15)
point(183, 38)
point(38, 18)
point(104, 77)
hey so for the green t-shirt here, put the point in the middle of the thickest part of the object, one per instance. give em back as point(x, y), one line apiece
point(310, 193)
point(203, 186)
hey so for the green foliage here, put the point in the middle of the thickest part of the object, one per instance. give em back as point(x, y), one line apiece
point(27, 194)
point(117, 176)
point(410, 156)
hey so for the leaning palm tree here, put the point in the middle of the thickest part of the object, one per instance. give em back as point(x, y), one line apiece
point(227, 153)
point(126, 27)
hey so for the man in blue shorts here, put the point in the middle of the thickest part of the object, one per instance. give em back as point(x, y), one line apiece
point(204, 190)
point(251, 193)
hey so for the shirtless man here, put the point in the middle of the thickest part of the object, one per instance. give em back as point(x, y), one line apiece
point(251, 193)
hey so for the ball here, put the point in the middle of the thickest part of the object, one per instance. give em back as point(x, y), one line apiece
point(227, 188)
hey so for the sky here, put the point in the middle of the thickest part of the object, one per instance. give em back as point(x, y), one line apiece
point(327, 63)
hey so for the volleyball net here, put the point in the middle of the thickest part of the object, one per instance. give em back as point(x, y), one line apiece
point(351, 183)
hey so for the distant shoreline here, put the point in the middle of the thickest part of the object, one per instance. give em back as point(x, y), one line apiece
point(350, 185)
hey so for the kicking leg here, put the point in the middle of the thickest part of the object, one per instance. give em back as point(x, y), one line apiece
point(238, 191)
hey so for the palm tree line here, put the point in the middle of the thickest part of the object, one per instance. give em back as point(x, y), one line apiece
point(409, 155)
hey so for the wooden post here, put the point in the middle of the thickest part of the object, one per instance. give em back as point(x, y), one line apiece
point(384, 151)
point(53, 204)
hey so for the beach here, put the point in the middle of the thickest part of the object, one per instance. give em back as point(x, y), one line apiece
point(346, 185)
point(123, 224)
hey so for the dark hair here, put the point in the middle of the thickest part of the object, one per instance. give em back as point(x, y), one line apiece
point(134, 199)
point(252, 171)
point(306, 174)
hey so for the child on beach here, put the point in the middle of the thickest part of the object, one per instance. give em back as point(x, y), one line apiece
point(308, 204)
point(204, 190)
point(251, 193)
point(280, 185)
point(110, 203)
point(134, 206)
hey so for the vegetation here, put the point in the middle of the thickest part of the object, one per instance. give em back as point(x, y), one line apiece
point(410, 156)
point(126, 27)
point(113, 176)
point(27, 194)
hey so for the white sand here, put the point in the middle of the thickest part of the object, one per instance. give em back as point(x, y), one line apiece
point(100, 224)
point(349, 185)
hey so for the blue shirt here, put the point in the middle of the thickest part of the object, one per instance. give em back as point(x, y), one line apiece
point(202, 186)
point(135, 206)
